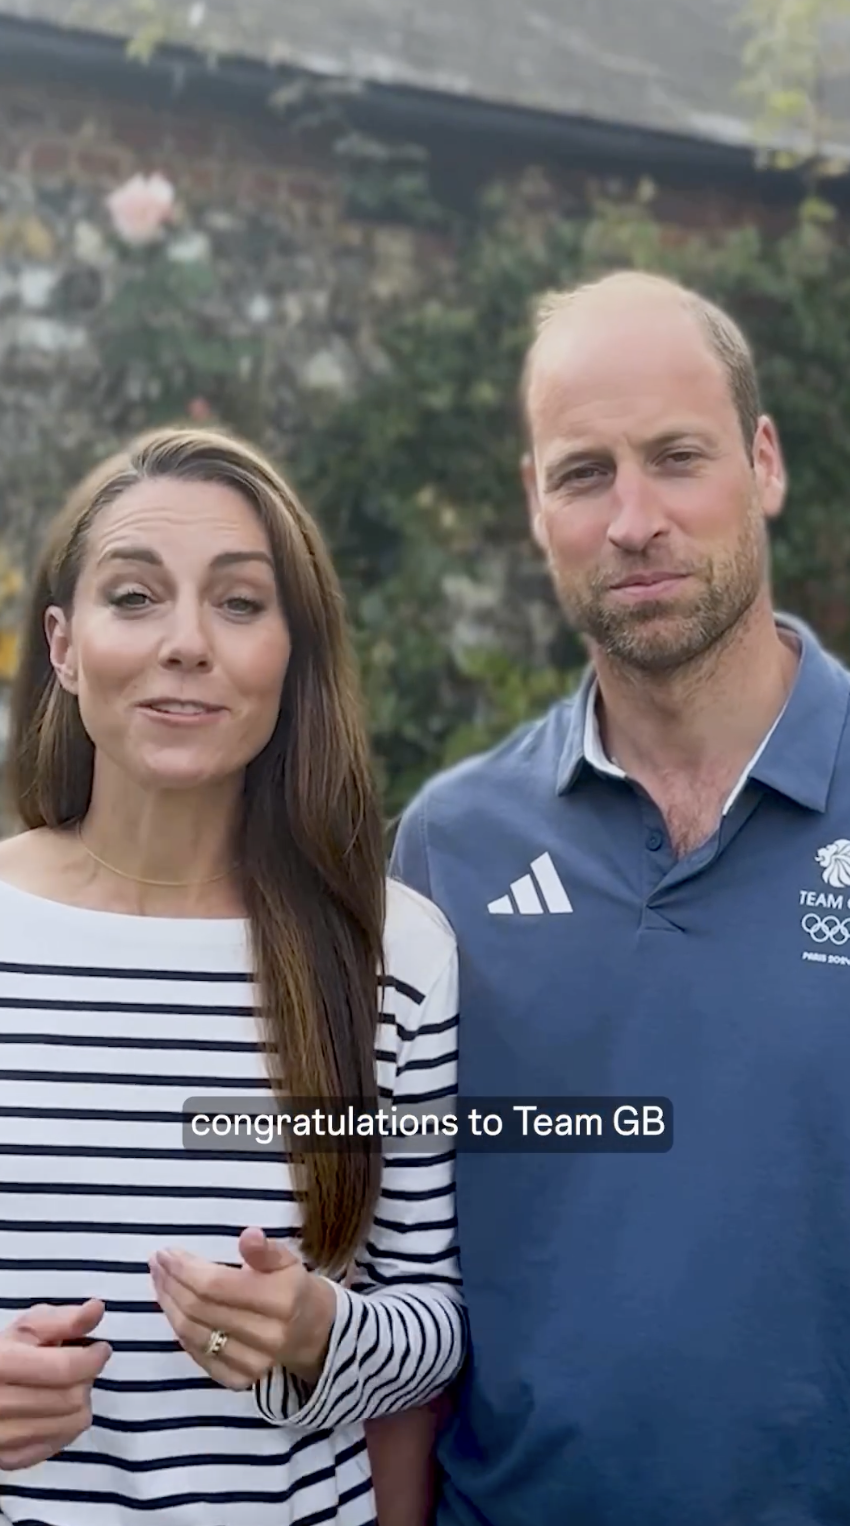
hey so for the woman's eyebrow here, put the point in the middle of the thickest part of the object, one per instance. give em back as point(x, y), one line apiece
point(146, 554)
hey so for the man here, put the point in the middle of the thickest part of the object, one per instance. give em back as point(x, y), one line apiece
point(651, 889)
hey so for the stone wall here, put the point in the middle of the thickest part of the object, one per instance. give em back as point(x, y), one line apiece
point(299, 282)
point(295, 270)
point(297, 285)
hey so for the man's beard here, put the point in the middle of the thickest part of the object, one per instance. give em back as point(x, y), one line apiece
point(663, 635)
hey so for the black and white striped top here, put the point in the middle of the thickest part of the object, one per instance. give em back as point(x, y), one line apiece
point(109, 1023)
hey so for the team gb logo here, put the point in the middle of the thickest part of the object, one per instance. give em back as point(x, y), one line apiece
point(834, 861)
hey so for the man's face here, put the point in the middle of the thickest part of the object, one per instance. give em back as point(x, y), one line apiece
point(642, 492)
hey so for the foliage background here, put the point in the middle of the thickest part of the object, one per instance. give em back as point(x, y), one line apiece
point(417, 480)
point(414, 472)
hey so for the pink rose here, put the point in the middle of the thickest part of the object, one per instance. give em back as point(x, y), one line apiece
point(140, 207)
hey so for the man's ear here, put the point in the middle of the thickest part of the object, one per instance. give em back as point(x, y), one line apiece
point(769, 467)
point(532, 500)
point(57, 629)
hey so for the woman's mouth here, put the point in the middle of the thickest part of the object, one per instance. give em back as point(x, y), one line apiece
point(181, 710)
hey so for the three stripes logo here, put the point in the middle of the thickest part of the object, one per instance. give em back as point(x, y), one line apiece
point(535, 893)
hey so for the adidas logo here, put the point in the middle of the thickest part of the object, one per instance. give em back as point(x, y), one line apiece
point(525, 892)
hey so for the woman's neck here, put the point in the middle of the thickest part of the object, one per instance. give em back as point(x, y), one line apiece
point(161, 852)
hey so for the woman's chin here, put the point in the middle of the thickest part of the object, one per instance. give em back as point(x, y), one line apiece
point(179, 773)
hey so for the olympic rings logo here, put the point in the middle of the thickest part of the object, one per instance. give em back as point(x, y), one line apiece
point(826, 929)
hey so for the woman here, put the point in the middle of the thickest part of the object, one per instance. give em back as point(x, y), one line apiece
point(198, 1327)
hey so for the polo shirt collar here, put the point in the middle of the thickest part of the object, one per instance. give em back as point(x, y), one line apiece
point(797, 756)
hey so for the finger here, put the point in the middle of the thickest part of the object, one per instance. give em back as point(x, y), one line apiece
point(27, 1457)
point(42, 1403)
point(237, 1366)
point(264, 1255)
point(15, 1460)
point(26, 1326)
point(46, 1326)
point(195, 1318)
point(51, 1366)
point(45, 1432)
point(234, 1287)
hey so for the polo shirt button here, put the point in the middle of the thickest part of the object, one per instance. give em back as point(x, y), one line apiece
point(654, 841)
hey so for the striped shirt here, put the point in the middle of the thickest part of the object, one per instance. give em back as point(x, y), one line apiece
point(110, 1023)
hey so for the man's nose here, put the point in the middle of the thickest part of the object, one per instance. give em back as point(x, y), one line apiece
point(636, 516)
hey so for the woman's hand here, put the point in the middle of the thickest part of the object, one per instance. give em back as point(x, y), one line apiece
point(272, 1311)
point(45, 1386)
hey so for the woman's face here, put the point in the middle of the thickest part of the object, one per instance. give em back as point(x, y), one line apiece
point(177, 646)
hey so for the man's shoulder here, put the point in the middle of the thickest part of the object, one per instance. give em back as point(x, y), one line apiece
point(532, 751)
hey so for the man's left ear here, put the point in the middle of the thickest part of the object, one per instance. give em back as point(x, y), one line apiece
point(57, 629)
point(769, 467)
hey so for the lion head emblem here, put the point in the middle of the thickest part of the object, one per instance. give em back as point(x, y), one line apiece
point(834, 862)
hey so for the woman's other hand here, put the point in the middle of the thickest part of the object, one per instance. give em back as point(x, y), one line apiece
point(45, 1384)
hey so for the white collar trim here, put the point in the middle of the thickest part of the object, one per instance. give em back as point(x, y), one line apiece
point(597, 757)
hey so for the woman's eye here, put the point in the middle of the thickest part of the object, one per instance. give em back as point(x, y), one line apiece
point(136, 598)
point(133, 598)
point(244, 606)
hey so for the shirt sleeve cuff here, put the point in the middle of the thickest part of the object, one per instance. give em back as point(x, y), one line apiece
point(284, 1399)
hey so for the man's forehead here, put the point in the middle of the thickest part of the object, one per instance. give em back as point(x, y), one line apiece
point(604, 357)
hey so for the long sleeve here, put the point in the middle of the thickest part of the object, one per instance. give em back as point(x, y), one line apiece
point(399, 1335)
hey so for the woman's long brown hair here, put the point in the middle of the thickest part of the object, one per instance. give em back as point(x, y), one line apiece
point(312, 850)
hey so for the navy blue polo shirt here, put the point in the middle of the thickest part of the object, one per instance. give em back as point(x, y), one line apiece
point(657, 1339)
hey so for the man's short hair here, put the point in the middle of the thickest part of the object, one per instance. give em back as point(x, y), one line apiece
point(722, 332)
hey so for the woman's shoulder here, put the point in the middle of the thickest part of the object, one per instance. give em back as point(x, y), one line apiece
point(20, 853)
point(412, 916)
point(24, 863)
point(419, 942)
point(28, 917)
point(45, 919)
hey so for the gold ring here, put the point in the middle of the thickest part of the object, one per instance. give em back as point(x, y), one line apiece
point(216, 1343)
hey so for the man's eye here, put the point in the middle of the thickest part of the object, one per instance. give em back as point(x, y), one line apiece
point(580, 474)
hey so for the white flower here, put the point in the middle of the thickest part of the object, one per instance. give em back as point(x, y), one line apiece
point(140, 207)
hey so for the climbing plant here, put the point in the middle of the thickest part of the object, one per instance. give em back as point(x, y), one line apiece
point(417, 478)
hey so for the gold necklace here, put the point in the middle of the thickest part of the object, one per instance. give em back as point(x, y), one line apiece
point(160, 884)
